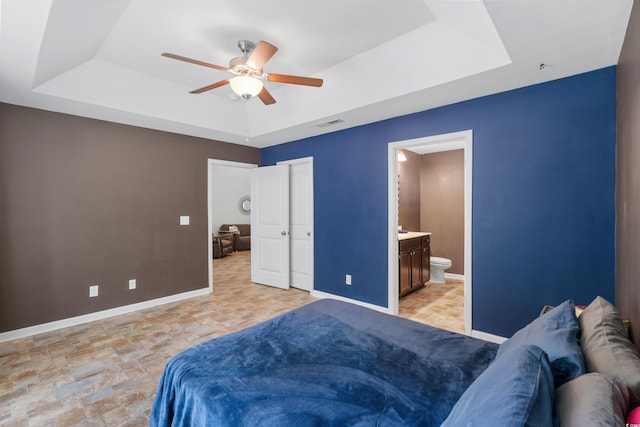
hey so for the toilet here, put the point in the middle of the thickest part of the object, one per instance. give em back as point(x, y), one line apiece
point(438, 266)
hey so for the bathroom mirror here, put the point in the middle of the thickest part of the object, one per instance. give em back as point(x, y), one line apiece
point(245, 205)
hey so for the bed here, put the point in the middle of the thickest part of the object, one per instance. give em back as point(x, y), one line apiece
point(339, 364)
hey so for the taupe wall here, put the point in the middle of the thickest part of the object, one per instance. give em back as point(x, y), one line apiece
point(431, 198)
point(409, 192)
point(628, 177)
point(85, 202)
point(442, 205)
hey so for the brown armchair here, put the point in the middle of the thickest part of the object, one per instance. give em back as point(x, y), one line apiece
point(241, 240)
point(222, 245)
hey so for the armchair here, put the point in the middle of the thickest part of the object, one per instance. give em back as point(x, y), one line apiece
point(222, 245)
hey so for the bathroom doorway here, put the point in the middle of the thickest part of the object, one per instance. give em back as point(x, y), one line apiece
point(462, 143)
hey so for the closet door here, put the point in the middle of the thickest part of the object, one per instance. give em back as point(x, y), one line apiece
point(301, 222)
point(270, 226)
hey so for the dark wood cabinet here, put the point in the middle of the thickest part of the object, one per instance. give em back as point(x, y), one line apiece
point(413, 264)
point(426, 259)
point(404, 269)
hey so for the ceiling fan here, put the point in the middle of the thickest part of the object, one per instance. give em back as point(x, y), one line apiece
point(248, 77)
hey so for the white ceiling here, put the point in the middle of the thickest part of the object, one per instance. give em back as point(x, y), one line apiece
point(101, 58)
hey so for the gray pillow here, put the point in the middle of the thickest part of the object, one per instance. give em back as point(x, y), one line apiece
point(606, 348)
point(592, 400)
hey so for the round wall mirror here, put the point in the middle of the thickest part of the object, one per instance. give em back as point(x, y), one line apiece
point(245, 205)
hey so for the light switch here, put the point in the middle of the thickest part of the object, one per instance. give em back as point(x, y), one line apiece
point(184, 219)
point(93, 291)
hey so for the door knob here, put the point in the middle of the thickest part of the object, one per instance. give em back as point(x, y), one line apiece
point(284, 233)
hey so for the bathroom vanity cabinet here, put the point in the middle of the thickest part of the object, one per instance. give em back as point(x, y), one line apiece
point(414, 253)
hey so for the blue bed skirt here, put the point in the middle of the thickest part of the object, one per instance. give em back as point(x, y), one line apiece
point(327, 363)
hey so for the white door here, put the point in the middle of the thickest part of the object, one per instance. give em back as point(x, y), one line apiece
point(270, 226)
point(301, 222)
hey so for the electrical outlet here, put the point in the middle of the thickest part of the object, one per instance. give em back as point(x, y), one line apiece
point(184, 219)
point(347, 279)
point(93, 291)
point(132, 284)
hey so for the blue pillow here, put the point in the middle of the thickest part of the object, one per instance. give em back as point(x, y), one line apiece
point(555, 332)
point(515, 390)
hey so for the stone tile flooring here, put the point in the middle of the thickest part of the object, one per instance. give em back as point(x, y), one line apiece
point(105, 373)
point(437, 304)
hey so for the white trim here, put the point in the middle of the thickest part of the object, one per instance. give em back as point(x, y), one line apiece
point(488, 337)
point(468, 229)
point(233, 164)
point(296, 161)
point(98, 315)
point(437, 143)
point(392, 231)
point(210, 164)
point(325, 295)
point(445, 142)
point(454, 276)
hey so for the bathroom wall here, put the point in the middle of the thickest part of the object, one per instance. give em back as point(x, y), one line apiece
point(628, 177)
point(442, 205)
point(409, 191)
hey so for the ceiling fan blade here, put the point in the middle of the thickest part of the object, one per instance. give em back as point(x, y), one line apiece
point(266, 97)
point(194, 61)
point(261, 54)
point(296, 80)
point(211, 86)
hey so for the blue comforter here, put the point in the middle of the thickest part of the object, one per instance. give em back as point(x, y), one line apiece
point(327, 363)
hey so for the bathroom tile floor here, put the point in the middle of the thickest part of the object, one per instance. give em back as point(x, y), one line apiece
point(437, 304)
point(105, 373)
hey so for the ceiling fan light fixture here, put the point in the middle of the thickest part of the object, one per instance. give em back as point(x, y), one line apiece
point(248, 80)
point(246, 86)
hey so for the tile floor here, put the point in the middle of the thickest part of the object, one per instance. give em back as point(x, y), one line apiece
point(105, 373)
point(437, 304)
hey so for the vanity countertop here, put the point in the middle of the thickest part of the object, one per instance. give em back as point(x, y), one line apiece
point(412, 235)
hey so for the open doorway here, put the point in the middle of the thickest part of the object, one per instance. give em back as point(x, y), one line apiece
point(228, 190)
point(239, 210)
point(439, 143)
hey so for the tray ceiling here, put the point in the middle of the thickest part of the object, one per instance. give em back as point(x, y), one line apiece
point(382, 59)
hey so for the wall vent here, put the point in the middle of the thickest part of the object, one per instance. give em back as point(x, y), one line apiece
point(329, 123)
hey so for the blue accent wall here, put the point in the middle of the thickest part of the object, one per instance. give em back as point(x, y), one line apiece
point(543, 198)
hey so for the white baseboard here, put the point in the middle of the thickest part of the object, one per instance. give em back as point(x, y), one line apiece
point(488, 337)
point(98, 315)
point(320, 294)
point(454, 276)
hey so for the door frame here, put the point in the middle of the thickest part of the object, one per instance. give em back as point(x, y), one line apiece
point(445, 142)
point(210, 164)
